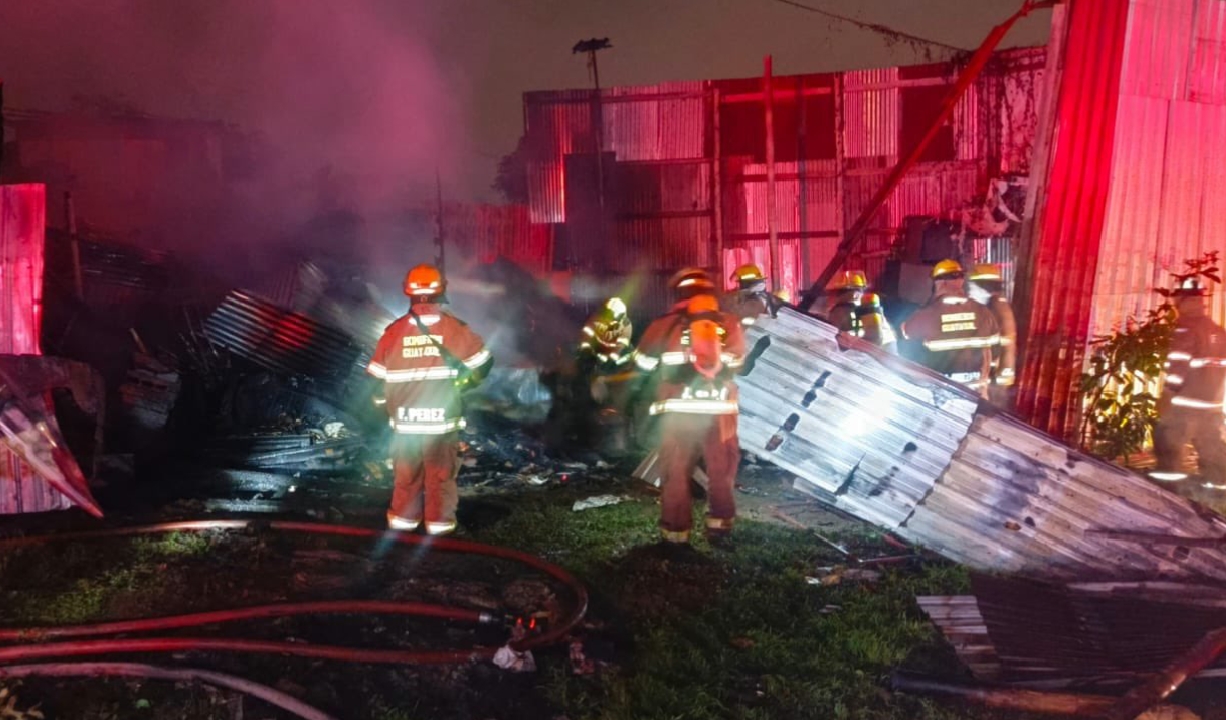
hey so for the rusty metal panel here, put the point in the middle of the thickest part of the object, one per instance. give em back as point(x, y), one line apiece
point(906, 449)
point(871, 113)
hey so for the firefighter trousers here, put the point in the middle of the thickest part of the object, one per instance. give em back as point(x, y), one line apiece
point(426, 468)
point(1179, 426)
point(685, 439)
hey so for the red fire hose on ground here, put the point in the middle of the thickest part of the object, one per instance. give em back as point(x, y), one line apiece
point(105, 646)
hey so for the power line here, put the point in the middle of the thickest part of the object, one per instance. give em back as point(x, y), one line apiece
point(873, 27)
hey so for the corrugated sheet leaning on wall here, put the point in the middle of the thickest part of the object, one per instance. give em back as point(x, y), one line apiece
point(899, 446)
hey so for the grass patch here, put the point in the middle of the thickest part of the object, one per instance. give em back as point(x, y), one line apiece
point(754, 643)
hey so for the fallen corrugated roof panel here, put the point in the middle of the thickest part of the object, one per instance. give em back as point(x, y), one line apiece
point(283, 341)
point(1028, 633)
point(904, 448)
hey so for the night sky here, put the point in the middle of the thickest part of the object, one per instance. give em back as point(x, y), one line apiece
point(378, 86)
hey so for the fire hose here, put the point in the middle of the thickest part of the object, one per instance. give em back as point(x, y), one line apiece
point(105, 646)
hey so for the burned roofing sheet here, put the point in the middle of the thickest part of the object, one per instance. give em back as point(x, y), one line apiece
point(901, 447)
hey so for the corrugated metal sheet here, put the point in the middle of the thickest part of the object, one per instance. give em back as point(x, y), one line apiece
point(284, 342)
point(22, 232)
point(673, 127)
point(871, 113)
point(1020, 632)
point(1072, 218)
point(489, 232)
point(646, 189)
point(1166, 204)
point(1160, 38)
point(903, 448)
point(669, 242)
point(671, 122)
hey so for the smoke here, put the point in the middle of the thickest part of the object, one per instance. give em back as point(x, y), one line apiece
point(351, 106)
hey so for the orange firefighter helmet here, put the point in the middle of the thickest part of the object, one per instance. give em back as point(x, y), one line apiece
point(947, 270)
point(690, 281)
point(987, 272)
point(424, 281)
point(848, 280)
point(871, 300)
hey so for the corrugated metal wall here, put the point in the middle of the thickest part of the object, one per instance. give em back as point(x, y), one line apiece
point(667, 160)
point(22, 230)
point(1166, 203)
point(1073, 217)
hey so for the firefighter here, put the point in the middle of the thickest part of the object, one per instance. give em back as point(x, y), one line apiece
point(873, 325)
point(956, 334)
point(1190, 408)
point(695, 353)
point(685, 284)
point(751, 300)
point(425, 360)
point(604, 369)
point(987, 287)
point(845, 293)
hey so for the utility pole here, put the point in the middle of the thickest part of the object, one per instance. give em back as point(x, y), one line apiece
point(772, 211)
point(440, 238)
point(591, 47)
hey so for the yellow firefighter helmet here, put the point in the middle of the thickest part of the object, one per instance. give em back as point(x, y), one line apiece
point(947, 270)
point(748, 273)
point(424, 281)
point(988, 272)
point(848, 280)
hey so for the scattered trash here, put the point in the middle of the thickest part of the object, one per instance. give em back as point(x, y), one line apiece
point(598, 501)
point(580, 664)
point(333, 430)
point(742, 643)
point(830, 609)
point(513, 660)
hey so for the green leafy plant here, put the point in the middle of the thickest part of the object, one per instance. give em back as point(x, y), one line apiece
point(1120, 389)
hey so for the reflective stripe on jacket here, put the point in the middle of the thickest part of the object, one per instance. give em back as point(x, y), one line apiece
point(419, 383)
point(665, 347)
point(1196, 364)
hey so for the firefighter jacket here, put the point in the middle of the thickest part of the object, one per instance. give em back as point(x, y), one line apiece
point(749, 306)
point(873, 326)
point(1196, 364)
point(688, 381)
point(605, 347)
point(843, 316)
point(424, 372)
point(957, 335)
point(1004, 355)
